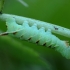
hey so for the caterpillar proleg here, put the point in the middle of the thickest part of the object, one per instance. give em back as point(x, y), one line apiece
point(37, 35)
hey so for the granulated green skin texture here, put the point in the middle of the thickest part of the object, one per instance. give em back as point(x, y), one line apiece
point(37, 35)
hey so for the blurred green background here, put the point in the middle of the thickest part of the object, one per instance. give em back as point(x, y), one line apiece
point(18, 54)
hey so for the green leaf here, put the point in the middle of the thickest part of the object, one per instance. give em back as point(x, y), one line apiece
point(14, 55)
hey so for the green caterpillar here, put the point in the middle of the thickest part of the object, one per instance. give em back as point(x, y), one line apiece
point(37, 35)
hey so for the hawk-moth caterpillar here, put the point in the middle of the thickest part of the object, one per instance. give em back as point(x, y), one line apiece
point(37, 35)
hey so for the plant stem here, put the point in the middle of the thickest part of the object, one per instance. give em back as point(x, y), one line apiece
point(54, 28)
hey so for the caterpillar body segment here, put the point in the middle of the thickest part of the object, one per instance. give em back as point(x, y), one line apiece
point(11, 26)
point(26, 32)
point(37, 35)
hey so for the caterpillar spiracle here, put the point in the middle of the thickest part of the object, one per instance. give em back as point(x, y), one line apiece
point(37, 35)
